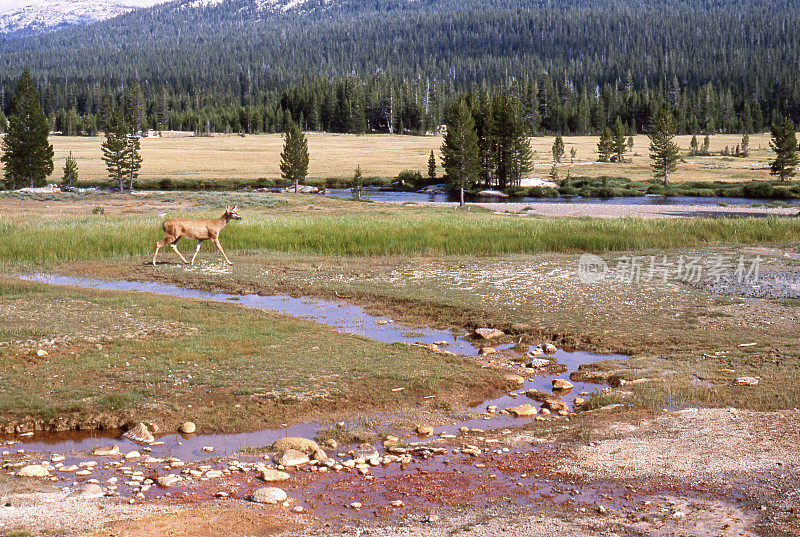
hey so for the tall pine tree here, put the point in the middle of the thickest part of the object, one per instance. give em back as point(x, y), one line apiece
point(784, 143)
point(115, 149)
point(27, 155)
point(460, 150)
point(294, 157)
point(663, 151)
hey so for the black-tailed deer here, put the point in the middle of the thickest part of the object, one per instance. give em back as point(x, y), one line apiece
point(198, 229)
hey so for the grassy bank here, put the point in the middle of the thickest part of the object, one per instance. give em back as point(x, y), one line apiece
point(374, 234)
point(126, 356)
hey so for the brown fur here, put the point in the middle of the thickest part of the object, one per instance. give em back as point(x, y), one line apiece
point(199, 229)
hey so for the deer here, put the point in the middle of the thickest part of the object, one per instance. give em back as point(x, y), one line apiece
point(198, 229)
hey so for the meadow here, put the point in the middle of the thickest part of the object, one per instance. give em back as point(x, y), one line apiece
point(179, 160)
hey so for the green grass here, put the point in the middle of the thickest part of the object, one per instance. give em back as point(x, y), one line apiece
point(98, 237)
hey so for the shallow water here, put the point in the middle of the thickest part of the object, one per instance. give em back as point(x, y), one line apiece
point(391, 195)
point(345, 318)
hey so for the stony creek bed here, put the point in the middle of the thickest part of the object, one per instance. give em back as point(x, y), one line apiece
point(486, 459)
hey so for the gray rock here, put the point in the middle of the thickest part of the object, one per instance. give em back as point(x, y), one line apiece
point(365, 451)
point(33, 470)
point(273, 476)
point(292, 457)
point(167, 480)
point(270, 495)
point(488, 333)
point(522, 411)
point(139, 434)
point(106, 451)
point(746, 381)
point(187, 427)
point(91, 491)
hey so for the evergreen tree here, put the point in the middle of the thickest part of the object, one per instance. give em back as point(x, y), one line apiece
point(572, 153)
point(27, 155)
point(784, 143)
point(460, 150)
point(115, 149)
point(554, 173)
point(605, 147)
point(511, 147)
point(294, 157)
point(706, 146)
point(663, 151)
point(694, 146)
point(357, 185)
point(70, 172)
point(619, 140)
point(745, 147)
point(630, 143)
point(432, 167)
point(558, 149)
point(133, 159)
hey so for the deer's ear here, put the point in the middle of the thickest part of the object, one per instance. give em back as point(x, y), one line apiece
point(227, 208)
point(235, 207)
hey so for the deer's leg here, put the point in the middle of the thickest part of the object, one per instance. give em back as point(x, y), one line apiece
point(159, 244)
point(175, 249)
point(219, 247)
point(199, 244)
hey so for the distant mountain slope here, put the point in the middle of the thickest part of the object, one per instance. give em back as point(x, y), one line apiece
point(49, 15)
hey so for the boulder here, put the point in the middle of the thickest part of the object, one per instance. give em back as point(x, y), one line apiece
point(270, 495)
point(516, 379)
point(522, 411)
point(487, 350)
point(106, 451)
point(292, 457)
point(549, 348)
point(554, 404)
point(492, 194)
point(33, 470)
point(139, 434)
point(538, 395)
point(424, 430)
point(561, 384)
point(273, 476)
point(538, 363)
point(91, 490)
point(187, 427)
point(319, 454)
point(300, 444)
point(488, 333)
point(133, 455)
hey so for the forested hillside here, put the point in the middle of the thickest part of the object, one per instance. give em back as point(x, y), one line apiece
point(394, 65)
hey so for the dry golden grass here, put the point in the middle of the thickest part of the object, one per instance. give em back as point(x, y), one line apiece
point(232, 157)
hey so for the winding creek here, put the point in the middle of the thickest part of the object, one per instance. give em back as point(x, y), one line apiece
point(76, 447)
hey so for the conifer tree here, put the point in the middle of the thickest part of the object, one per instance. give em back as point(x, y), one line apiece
point(432, 167)
point(706, 146)
point(630, 143)
point(694, 146)
point(558, 149)
point(133, 159)
point(115, 149)
point(70, 172)
point(27, 155)
point(784, 143)
point(294, 157)
point(605, 147)
point(619, 140)
point(663, 151)
point(745, 147)
point(460, 150)
point(357, 185)
point(511, 151)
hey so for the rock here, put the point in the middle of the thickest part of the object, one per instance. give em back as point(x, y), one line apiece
point(515, 379)
point(299, 444)
point(91, 490)
point(292, 457)
point(83, 473)
point(492, 409)
point(488, 333)
point(355, 505)
point(33, 470)
point(549, 348)
point(270, 495)
point(554, 404)
point(522, 411)
point(545, 412)
point(538, 395)
point(167, 480)
point(424, 430)
point(133, 455)
point(601, 509)
point(430, 519)
point(561, 384)
point(746, 381)
point(331, 443)
point(41, 353)
point(139, 434)
point(390, 441)
point(579, 401)
point(187, 427)
point(106, 451)
point(273, 476)
point(492, 194)
point(397, 503)
point(539, 363)
point(214, 474)
point(487, 350)
point(319, 455)
point(365, 451)
point(208, 449)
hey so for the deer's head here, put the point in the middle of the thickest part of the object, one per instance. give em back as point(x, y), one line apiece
point(231, 214)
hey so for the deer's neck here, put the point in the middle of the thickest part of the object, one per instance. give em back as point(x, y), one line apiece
point(222, 221)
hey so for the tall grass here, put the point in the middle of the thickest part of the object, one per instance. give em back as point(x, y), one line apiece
point(364, 235)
